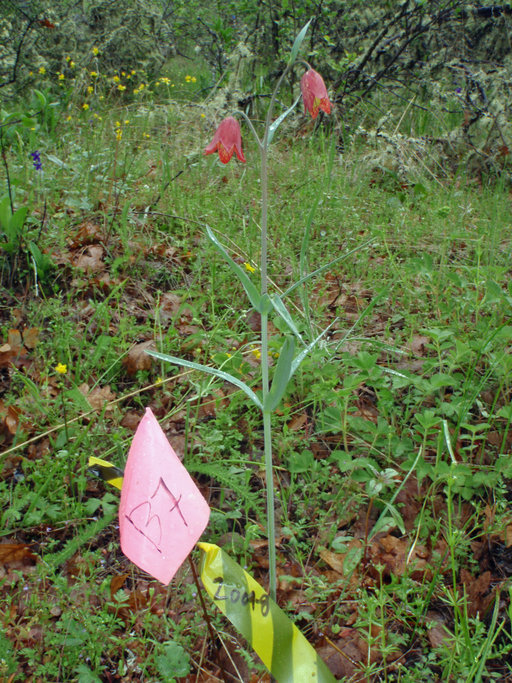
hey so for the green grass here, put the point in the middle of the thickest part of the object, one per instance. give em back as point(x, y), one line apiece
point(399, 421)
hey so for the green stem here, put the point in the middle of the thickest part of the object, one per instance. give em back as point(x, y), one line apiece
point(267, 421)
point(271, 529)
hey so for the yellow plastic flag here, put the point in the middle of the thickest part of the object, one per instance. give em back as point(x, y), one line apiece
point(274, 637)
point(106, 471)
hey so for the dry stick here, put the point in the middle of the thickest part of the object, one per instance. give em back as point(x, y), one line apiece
point(207, 618)
point(201, 599)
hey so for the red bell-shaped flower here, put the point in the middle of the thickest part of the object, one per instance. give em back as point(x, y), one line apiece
point(227, 139)
point(314, 93)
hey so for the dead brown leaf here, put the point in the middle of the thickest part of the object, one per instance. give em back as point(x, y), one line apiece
point(30, 337)
point(297, 422)
point(396, 555)
point(17, 554)
point(116, 584)
point(14, 340)
point(88, 233)
point(437, 634)
point(336, 560)
point(98, 396)
point(90, 259)
point(9, 418)
point(131, 420)
point(478, 591)
point(137, 359)
point(169, 306)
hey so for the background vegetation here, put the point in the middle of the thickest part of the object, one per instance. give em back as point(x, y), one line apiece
point(393, 445)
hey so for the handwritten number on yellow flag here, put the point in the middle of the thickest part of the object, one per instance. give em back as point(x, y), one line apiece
point(273, 636)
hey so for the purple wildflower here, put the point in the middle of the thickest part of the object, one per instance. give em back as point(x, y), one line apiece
point(36, 159)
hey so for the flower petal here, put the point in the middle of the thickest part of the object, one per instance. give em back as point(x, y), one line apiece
point(227, 139)
point(314, 93)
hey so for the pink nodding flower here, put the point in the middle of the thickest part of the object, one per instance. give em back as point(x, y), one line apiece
point(314, 93)
point(227, 139)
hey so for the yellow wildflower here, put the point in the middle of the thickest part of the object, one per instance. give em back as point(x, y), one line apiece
point(158, 381)
point(123, 73)
point(118, 124)
point(121, 87)
point(72, 64)
point(188, 78)
point(116, 79)
point(93, 74)
point(42, 70)
point(68, 58)
point(61, 77)
point(95, 51)
point(119, 134)
point(68, 118)
point(248, 267)
point(85, 106)
point(193, 79)
point(256, 353)
point(90, 89)
point(126, 122)
point(61, 368)
point(133, 72)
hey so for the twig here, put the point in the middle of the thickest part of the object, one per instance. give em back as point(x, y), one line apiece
point(201, 600)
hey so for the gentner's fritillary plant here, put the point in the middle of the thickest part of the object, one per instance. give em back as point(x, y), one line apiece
point(227, 141)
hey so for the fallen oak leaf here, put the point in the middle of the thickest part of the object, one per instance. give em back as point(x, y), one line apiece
point(9, 418)
point(98, 396)
point(90, 259)
point(16, 553)
point(30, 337)
point(137, 359)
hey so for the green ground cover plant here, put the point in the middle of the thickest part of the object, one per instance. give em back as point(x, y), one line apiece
point(391, 447)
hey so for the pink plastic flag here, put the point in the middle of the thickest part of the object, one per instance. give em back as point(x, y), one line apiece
point(162, 512)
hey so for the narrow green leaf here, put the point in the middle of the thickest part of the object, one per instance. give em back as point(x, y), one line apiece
point(281, 375)
point(298, 360)
point(281, 310)
point(56, 160)
point(209, 371)
point(298, 42)
point(249, 286)
point(41, 97)
point(17, 220)
point(42, 261)
point(5, 213)
point(275, 125)
point(389, 518)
